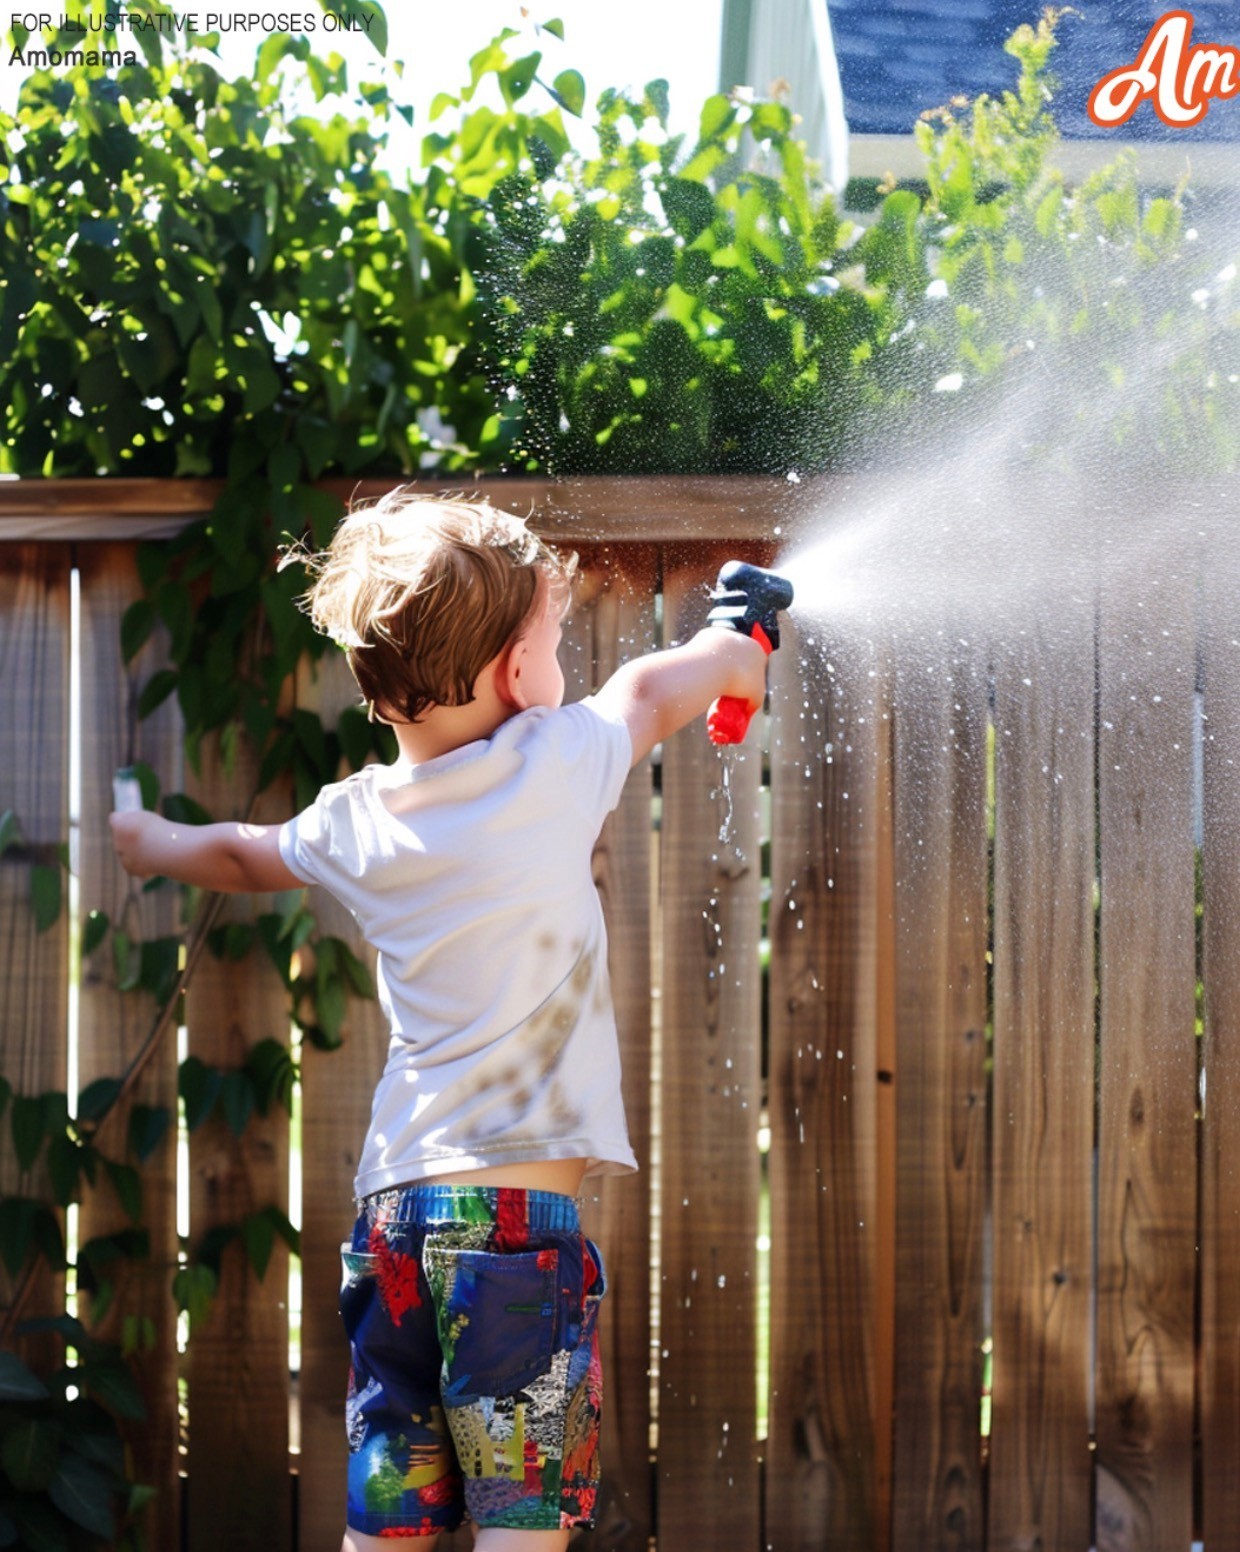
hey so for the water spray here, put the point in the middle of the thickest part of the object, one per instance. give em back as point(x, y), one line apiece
point(746, 599)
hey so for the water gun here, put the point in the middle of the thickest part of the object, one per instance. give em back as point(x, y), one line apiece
point(746, 599)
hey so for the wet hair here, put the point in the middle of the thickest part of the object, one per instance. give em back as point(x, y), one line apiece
point(424, 591)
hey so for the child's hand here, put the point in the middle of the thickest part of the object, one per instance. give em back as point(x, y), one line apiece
point(128, 833)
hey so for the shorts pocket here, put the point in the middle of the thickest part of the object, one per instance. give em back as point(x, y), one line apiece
point(598, 1287)
point(497, 1318)
point(358, 1286)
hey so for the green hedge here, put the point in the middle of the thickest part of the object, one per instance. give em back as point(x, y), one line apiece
point(667, 304)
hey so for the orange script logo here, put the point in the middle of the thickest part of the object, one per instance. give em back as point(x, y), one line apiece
point(1177, 75)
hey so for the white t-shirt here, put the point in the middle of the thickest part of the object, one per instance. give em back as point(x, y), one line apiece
point(470, 874)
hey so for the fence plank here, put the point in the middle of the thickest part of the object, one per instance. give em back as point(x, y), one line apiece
point(821, 1462)
point(1041, 1469)
point(707, 1463)
point(238, 1361)
point(940, 943)
point(337, 1090)
point(586, 508)
point(1220, 1145)
point(616, 624)
point(114, 1026)
point(34, 777)
point(1147, 1131)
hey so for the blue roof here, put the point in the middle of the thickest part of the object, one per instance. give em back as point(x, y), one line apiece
point(899, 57)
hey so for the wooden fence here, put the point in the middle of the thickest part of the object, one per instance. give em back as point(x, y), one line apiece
point(999, 1204)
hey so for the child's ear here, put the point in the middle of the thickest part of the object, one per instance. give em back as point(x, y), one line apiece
point(508, 683)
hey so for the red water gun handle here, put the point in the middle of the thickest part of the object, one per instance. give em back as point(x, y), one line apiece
point(728, 719)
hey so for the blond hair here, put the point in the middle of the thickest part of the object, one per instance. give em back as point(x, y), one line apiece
point(423, 592)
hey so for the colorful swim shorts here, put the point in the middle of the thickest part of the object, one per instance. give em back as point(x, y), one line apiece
point(476, 1383)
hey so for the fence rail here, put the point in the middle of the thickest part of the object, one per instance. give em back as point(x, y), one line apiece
point(965, 1141)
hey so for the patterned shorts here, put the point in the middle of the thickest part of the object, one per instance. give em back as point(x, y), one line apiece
point(476, 1384)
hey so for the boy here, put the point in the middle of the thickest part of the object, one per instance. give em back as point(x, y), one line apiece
point(469, 1295)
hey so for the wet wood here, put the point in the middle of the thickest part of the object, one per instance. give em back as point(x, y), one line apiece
point(614, 623)
point(821, 1460)
point(940, 1000)
point(114, 1026)
point(1220, 1143)
point(711, 1075)
point(1147, 1132)
point(1040, 1462)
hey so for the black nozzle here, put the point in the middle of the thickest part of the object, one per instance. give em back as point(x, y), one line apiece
point(745, 596)
point(766, 591)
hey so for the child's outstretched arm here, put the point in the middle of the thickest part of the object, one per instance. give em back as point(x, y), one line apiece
point(659, 694)
point(232, 858)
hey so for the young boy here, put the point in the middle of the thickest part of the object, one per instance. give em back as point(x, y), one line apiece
point(469, 1295)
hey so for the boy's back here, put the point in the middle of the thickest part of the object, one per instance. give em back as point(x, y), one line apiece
point(470, 875)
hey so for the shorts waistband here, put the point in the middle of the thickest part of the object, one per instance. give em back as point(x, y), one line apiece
point(427, 1202)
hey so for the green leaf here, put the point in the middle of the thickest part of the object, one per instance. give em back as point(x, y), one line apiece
point(48, 1238)
point(127, 958)
point(148, 783)
point(258, 1237)
point(141, 1494)
point(331, 1005)
point(690, 207)
point(194, 1287)
point(184, 810)
point(10, 830)
point(199, 1086)
point(147, 1126)
point(517, 79)
point(97, 1098)
point(308, 730)
point(99, 1253)
point(110, 1381)
point(377, 31)
point(40, 1527)
point(29, 1451)
point(156, 691)
point(657, 97)
point(356, 973)
point(272, 1074)
point(17, 1221)
point(127, 1184)
point(64, 1162)
point(55, 1111)
point(45, 895)
point(96, 929)
point(718, 114)
point(17, 1383)
point(136, 625)
point(26, 1121)
point(160, 967)
point(353, 731)
point(237, 1100)
point(284, 1227)
point(570, 91)
point(555, 26)
point(83, 1494)
point(106, 1449)
point(215, 1242)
